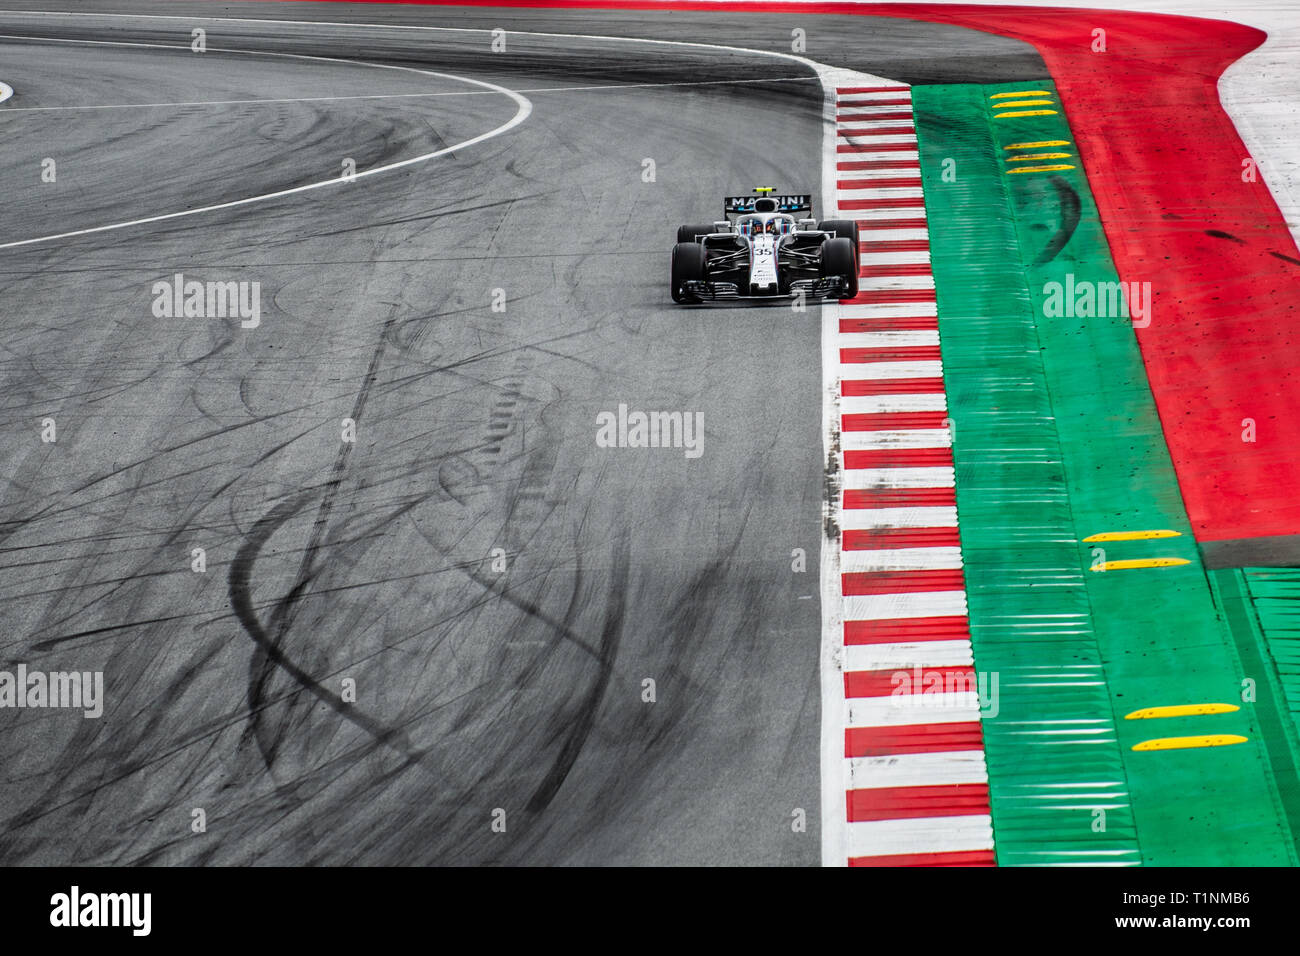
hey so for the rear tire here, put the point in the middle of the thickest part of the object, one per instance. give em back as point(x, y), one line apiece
point(691, 233)
point(688, 265)
point(839, 259)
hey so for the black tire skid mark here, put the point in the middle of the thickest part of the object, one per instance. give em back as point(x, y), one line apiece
point(580, 727)
point(210, 735)
point(241, 570)
point(1220, 234)
point(262, 663)
point(90, 747)
point(1070, 206)
point(178, 529)
point(268, 653)
point(117, 754)
point(567, 729)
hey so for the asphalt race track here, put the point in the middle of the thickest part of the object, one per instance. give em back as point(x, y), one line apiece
point(371, 561)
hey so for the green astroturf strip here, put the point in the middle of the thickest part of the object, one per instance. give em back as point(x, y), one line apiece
point(1056, 438)
point(1262, 608)
point(1275, 596)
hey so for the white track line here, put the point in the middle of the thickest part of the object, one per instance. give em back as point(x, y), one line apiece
point(853, 113)
point(867, 519)
point(947, 708)
point(882, 192)
point(881, 837)
point(901, 559)
point(915, 257)
point(941, 476)
point(882, 177)
point(902, 156)
point(895, 657)
point(885, 370)
point(525, 108)
point(893, 402)
point(908, 338)
point(403, 96)
point(893, 438)
point(911, 770)
point(896, 282)
point(917, 213)
point(888, 309)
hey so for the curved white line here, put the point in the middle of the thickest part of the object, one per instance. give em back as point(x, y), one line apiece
point(828, 76)
point(402, 26)
point(820, 68)
point(403, 96)
point(6, 91)
point(525, 108)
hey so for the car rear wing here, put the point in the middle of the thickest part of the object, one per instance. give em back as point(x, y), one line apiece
point(743, 204)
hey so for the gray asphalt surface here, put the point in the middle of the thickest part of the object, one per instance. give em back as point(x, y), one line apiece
point(370, 561)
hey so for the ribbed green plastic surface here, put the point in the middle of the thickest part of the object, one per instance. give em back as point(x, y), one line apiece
point(1267, 666)
point(1056, 438)
point(1275, 593)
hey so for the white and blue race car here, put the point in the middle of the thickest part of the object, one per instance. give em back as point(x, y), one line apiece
point(760, 251)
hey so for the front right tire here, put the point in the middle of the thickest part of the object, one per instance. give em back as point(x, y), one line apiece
point(839, 258)
point(841, 229)
point(691, 233)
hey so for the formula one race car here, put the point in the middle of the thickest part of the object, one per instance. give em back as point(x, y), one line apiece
point(764, 252)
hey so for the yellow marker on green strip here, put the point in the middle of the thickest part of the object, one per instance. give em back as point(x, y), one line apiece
point(1133, 535)
point(1007, 96)
point(1181, 710)
point(1025, 113)
point(1010, 104)
point(1042, 144)
point(1031, 157)
point(1186, 743)
point(1141, 563)
point(1038, 169)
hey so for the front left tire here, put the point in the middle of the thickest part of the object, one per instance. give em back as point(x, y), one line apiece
point(687, 266)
